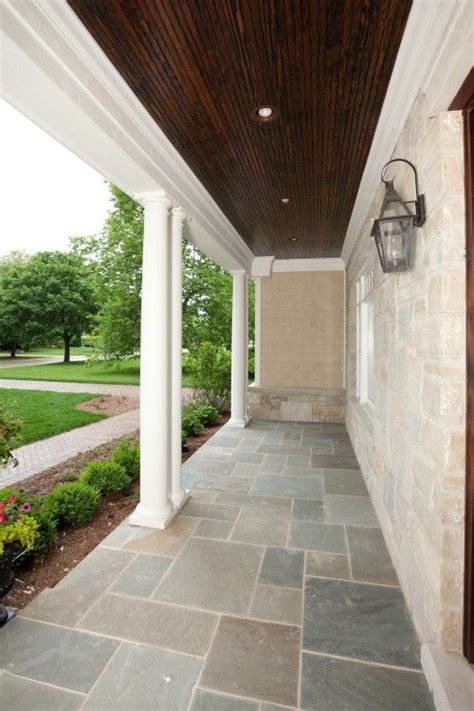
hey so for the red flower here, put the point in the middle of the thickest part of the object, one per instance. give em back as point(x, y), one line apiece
point(11, 499)
point(2, 506)
point(2, 517)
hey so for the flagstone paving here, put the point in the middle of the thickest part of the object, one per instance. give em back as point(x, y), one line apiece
point(274, 592)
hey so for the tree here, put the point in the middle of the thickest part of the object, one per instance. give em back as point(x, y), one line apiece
point(13, 298)
point(46, 296)
point(116, 256)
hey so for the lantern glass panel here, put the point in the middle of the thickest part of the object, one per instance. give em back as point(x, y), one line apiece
point(393, 237)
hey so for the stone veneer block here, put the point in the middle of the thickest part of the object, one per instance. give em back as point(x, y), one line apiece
point(254, 659)
point(145, 678)
point(177, 629)
point(297, 404)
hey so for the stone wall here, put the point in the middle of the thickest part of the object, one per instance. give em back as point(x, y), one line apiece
point(302, 330)
point(296, 404)
point(411, 448)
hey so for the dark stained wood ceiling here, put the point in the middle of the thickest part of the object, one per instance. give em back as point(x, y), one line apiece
point(203, 67)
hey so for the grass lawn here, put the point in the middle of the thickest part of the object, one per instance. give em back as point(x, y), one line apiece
point(45, 414)
point(126, 374)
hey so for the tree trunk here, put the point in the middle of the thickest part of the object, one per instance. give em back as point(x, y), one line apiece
point(13, 350)
point(67, 348)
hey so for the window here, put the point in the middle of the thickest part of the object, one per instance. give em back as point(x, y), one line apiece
point(365, 340)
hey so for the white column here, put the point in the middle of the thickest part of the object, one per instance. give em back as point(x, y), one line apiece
point(258, 325)
point(178, 493)
point(239, 350)
point(155, 508)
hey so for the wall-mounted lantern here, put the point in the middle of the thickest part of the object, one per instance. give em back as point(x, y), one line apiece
point(393, 231)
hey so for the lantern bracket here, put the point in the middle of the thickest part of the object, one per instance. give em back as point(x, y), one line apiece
point(419, 202)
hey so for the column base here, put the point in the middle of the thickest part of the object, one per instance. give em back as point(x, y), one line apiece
point(141, 517)
point(238, 422)
point(181, 501)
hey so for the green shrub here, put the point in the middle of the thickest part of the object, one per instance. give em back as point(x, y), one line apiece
point(105, 476)
point(72, 504)
point(205, 413)
point(128, 456)
point(251, 363)
point(9, 436)
point(210, 370)
point(190, 422)
point(47, 526)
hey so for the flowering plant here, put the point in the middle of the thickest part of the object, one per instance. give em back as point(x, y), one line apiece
point(15, 524)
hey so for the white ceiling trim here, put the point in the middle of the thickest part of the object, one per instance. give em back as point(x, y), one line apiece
point(55, 73)
point(427, 25)
point(330, 264)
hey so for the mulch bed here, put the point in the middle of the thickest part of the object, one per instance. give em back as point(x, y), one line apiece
point(110, 405)
point(73, 544)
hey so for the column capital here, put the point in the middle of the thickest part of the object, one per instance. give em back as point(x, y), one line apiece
point(155, 197)
point(238, 272)
point(178, 214)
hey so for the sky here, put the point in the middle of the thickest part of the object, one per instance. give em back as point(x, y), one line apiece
point(46, 193)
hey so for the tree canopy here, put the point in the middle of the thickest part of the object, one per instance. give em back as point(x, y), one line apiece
point(115, 257)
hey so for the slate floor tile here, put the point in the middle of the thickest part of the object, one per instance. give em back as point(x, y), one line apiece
point(70, 599)
point(304, 471)
point(334, 461)
point(277, 604)
point(213, 575)
point(254, 659)
point(168, 542)
point(206, 466)
point(142, 576)
point(295, 460)
point(356, 510)
point(262, 525)
point(344, 481)
point(333, 684)
point(247, 457)
point(145, 678)
point(213, 529)
point(288, 486)
point(227, 497)
point(246, 469)
point(370, 559)
point(274, 437)
point(273, 463)
point(216, 511)
point(287, 448)
point(217, 483)
point(148, 622)
point(327, 565)
point(360, 621)
point(282, 567)
point(25, 695)
point(54, 655)
point(324, 537)
point(309, 511)
point(209, 701)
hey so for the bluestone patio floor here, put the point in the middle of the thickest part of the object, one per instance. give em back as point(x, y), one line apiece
point(272, 588)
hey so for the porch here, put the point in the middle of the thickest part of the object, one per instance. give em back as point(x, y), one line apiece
point(273, 586)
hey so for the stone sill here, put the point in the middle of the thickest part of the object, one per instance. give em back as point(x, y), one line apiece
point(293, 393)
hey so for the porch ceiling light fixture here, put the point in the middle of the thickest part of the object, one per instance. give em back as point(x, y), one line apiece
point(294, 239)
point(393, 231)
point(285, 200)
point(266, 113)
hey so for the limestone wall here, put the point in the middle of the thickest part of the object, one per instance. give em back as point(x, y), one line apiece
point(302, 330)
point(411, 449)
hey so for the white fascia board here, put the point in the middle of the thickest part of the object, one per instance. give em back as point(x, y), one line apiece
point(330, 264)
point(262, 266)
point(55, 73)
point(427, 25)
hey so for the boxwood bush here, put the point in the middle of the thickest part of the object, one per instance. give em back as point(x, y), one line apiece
point(72, 504)
point(128, 456)
point(106, 476)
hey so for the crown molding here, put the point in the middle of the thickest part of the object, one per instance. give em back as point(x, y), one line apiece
point(56, 74)
point(331, 264)
point(427, 26)
point(262, 266)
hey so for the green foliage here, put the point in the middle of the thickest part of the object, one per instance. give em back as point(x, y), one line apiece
point(45, 297)
point(72, 504)
point(195, 416)
point(127, 455)
point(206, 414)
point(47, 526)
point(105, 476)
point(23, 530)
point(210, 371)
point(10, 428)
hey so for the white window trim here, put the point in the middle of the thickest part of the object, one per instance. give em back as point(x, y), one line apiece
point(365, 348)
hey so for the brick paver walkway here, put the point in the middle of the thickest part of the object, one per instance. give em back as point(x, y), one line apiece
point(38, 456)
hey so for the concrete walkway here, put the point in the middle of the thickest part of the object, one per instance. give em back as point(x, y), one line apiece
point(21, 361)
point(38, 456)
point(272, 589)
point(61, 387)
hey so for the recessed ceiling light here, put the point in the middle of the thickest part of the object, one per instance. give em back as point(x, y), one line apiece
point(294, 239)
point(266, 113)
point(285, 200)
